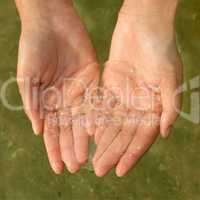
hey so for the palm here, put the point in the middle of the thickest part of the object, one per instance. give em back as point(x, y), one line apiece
point(132, 112)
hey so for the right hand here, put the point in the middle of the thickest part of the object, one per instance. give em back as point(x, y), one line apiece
point(57, 60)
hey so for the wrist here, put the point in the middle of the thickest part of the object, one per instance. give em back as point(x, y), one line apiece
point(150, 3)
point(150, 8)
point(40, 12)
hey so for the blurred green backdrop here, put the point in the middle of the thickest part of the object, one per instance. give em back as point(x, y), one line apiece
point(169, 171)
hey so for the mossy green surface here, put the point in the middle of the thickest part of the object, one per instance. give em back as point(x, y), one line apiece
point(169, 171)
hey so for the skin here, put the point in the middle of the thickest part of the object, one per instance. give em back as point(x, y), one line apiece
point(56, 59)
point(144, 59)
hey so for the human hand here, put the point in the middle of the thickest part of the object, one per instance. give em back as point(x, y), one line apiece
point(57, 69)
point(140, 81)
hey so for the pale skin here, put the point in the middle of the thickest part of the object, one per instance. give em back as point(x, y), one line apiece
point(55, 46)
point(144, 57)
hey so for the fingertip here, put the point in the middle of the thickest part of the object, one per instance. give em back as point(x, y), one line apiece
point(37, 133)
point(82, 157)
point(91, 129)
point(82, 160)
point(165, 126)
point(72, 165)
point(166, 132)
point(37, 129)
point(101, 169)
point(99, 172)
point(119, 174)
point(122, 170)
point(58, 168)
point(73, 168)
point(118, 171)
point(168, 118)
point(90, 132)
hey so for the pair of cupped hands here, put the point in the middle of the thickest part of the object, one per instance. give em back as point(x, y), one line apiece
point(69, 101)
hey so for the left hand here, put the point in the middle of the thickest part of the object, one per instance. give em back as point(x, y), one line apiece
point(140, 81)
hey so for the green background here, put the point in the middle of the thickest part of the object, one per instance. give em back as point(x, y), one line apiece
point(169, 171)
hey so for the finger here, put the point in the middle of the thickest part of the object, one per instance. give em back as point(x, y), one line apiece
point(106, 139)
point(92, 104)
point(110, 124)
point(102, 123)
point(81, 138)
point(66, 142)
point(51, 140)
point(145, 136)
point(99, 132)
point(29, 91)
point(171, 104)
point(113, 153)
point(90, 118)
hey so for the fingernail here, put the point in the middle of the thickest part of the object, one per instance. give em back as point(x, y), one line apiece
point(73, 168)
point(167, 132)
point(37, 134)
point(57, 168)
point(119, 174)
point(35, 130)
point(58, 171)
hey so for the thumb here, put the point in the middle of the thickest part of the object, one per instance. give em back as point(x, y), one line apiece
point(171, 103)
